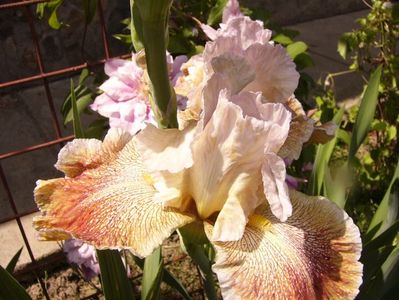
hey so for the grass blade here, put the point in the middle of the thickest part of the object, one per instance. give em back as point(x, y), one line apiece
point(167, 277)
point(334, 189)
point(10, 288)
point(77, 125)
point(388, 210)
point(152, 276)
point(13, 262)
point(193, 239)
point(366, 113)
point(323, 154)
point(114, 280)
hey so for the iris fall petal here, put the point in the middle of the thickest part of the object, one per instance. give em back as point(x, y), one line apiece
point(108, 206)
point(314, 255)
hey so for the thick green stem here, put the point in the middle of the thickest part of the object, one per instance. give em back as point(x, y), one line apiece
point(154, 16)
point(196, 244)
point(163, 96)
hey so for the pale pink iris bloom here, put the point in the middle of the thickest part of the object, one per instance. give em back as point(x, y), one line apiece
point(84, 255)
point(125, 94)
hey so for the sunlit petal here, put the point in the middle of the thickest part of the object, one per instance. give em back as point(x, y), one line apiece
point(314, 255)
point(166, 149)
point(276, 76)
point(275, 187)
point(108, 206)
point(82, 154)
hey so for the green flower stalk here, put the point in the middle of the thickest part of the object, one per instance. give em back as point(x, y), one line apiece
point(154, 16)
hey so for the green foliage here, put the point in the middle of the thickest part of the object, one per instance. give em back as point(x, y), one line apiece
point(216, 12)
point(83, 95)
point(49, 9)
point(114, 280)
point(152, 275)
point(323, 155)
point(368, 140)
point(13, 262)
point(10, 289)
point(373, 49)
point(167, 277)
point(296, 48)
point(388, 209)
point(366, 113)
point(195, 243)
point(77, 125)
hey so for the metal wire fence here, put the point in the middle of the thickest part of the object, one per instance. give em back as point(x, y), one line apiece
point(43, 77)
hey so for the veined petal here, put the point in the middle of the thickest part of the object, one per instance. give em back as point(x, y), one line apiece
point(246, 31)
point(229, 145)
point(314, 255)
point(323, 133)
point(276, 76)
point(226, 174)
point(109, 206)
point(83, 154)
point(301, 129)
point(166, 149)
point(275, 188)
point(236, 71)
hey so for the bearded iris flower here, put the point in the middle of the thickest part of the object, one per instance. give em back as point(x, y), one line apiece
point(224, 168)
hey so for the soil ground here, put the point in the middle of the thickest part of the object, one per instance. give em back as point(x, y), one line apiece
point(65, 282)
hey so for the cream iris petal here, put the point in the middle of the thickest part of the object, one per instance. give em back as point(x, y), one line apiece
point(108, 205)
point(314, 255)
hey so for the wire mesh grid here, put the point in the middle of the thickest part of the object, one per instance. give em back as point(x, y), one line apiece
point(43, 77)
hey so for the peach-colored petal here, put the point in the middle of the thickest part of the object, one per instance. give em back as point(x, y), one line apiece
point(314, 255)
point(229, 145)
point(166, 149)
point(295, 106)
point(228, 154)
point(82, 154)
point(108, 206)
point(275, 187)
point(276, 76)
point(232, 73)
point(323, 133)
point(301, 129)
point(189, 85)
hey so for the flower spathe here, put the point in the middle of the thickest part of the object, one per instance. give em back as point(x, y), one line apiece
point(223, 168)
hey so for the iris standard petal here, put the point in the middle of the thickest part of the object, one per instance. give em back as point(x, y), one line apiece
point(314, 255)
point(276, 76)
point(109, 206)
point(166, 149)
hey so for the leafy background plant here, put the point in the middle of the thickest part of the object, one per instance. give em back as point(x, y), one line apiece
point(358, 169)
